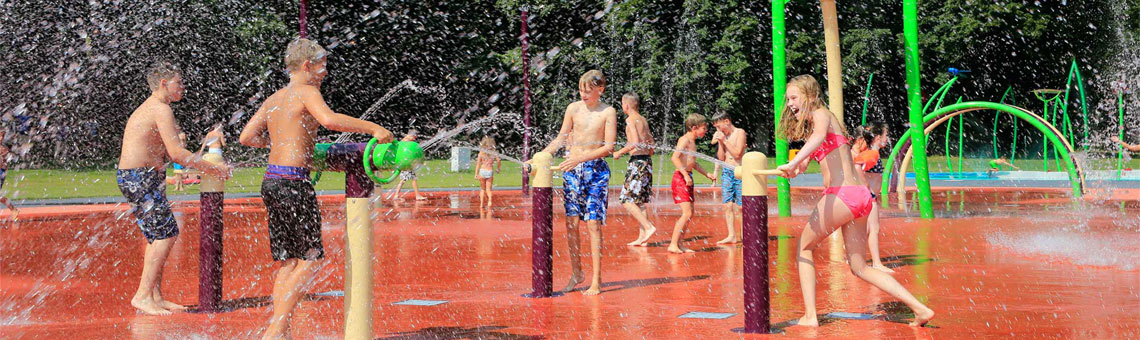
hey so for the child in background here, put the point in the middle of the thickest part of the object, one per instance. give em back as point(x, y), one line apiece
point(4, 174)
point(869, 139)
point(685, 162)
point(408, 175)
point(487, 164)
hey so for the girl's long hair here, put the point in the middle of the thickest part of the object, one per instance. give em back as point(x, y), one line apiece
point(791, 128)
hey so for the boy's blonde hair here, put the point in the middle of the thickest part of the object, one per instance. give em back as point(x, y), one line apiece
point(301, 50)
point(634, 100)
point(159, 71)
point(488, 143)
point(793, 129)
point(694, 120)
point(593, 79)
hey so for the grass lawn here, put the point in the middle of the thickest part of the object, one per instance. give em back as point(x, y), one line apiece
point(34, 184)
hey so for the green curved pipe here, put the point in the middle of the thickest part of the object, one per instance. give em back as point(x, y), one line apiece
point(1051, 133)
point(1075, 71)
point(1008, 90)
point(867, 98)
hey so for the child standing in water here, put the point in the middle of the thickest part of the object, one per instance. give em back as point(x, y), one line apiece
point(287, 124)
point(638, 188)
point(845, 200)
point(150, 136)
point(869, 139)
point(585, 173)
point(730, 144)
point(4, 152)
point(408, 175)
point(179, 172)
point(487, 164)
point(685, 162)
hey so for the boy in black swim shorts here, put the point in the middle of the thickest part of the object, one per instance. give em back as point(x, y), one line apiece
point(286, 123)
point(638, 188)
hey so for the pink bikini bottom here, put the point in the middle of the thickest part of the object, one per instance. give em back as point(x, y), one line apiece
point(857, 198)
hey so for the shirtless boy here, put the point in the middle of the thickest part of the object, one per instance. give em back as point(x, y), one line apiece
point(287, 124)
point(730, 142)
point(638, 188)
point(685, 162)
point(151, 135)
point(592, 125)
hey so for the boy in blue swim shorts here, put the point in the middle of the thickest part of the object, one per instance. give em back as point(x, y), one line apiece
point(730, 144)
point(592, 125)
point(151, 135)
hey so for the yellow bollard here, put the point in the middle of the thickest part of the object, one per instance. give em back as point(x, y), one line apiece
point(754, 207)
point(542, 226)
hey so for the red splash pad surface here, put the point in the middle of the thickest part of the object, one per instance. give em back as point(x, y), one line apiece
point(995, 263)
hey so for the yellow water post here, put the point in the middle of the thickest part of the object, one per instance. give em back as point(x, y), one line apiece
point(834, 60)
point(542, 226)
point(754, 207)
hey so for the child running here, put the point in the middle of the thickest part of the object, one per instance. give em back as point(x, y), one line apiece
point(869, 139)
point(685, 162)
point(845, 199)
point(150, 136)
point(488, 164)
point(287, 123)
point(179, 172)
point(4, 152)
point(407, 175)
point(730, 142)
point(586, 176)
point(638, 188)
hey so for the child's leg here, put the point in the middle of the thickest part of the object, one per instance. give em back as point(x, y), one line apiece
point(856, 244)
point(490, 184)
point(646, 229)
point(574, 243)
point(153, 260)
point(679, 229)
point(482, 190)
point(416, 188)
point(595, 257)
point(15, 212)
point(287, 294)
point(156, 294)
point(730, 223)
point(873, 239)
point(828, 214)
point(396, 193)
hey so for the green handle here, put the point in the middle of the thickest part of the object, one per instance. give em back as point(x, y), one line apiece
point(369, 156)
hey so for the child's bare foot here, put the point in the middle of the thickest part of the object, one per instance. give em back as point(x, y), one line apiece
point(731, 239)
point(420, 198)
point(15, 214)
point(171, 306)
point(648, 234)
point(883, 268)
point(574, 281)
point(640, 237)
point(594, 290)
point(148, 307)
point(920, 319)
point(808, 321)
point(679, 250)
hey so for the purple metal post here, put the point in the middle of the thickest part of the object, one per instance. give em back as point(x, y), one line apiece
point(542, 243)
point(210, 252)
point(755, 225)
point(348, 157)
point(303, 18)
point(526, 104)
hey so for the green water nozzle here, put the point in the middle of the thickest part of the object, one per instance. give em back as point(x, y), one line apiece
point(394, 157)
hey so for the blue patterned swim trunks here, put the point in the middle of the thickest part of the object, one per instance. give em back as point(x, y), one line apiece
point(585, 188)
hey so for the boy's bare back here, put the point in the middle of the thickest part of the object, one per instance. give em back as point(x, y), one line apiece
point(149, 129)
point(637, 126)
point(292, 129)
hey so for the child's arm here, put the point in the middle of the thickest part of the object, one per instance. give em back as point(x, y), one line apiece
point(820, 122)
point(315, 103)
point(632, 138)
point(253, 134)
point(498, 165)
point(701, 170)
point(735, 146)
point(601, 152)
point(567, 123)
point(1133, 148)
point(679, 163)
point(168, 131)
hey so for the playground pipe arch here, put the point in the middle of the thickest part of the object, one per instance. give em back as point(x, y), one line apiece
point(1076, 174)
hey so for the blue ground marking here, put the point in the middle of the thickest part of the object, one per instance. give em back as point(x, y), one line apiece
point(705, 315)
point(850, 316)
point(331, 293)
point(414, 302)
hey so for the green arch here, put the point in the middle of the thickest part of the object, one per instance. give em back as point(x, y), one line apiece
point(1076, 175)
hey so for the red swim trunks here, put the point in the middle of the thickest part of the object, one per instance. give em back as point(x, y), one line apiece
point(682, 192)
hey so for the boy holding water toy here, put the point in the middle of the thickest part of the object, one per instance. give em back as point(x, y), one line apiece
point(287, 123)
point(151, 134)
point(869, 139)
point(4, 174)
point(586, 176)
point(685, 161)
point(487, 164)
point(730, 142)
point(846, 201)
point(407, 176)
point(638, 188)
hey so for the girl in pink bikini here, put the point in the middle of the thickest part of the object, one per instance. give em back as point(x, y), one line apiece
point(845, 198)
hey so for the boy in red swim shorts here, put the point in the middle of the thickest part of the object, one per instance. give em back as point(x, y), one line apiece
point(685, 161)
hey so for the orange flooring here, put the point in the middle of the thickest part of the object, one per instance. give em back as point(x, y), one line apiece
point(994, 264)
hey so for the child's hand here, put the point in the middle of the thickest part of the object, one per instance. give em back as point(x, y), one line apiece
point(1114, 139)
point(718, 136)
point(617, 155)
point(789, 170)
point(688, 179)
point(222, 171)
point(569, 164)
point(382, 135)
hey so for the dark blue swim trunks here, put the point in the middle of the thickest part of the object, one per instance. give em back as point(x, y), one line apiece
point(145, 190)
point(294, 217)
point(585, 188)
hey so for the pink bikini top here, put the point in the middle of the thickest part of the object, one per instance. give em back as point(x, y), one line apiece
point(830, 143)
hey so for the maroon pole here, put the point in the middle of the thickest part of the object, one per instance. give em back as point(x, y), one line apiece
point(304, 20)
point(210, 205)
point(542, 234)
point(755, 225)
point(526, 104)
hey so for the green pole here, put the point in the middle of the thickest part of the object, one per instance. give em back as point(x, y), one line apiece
point(1120, 122)
point(1045, 146)
point(914, 98)
point(1075, 72)
point(946, 144)
point(996, 116)
point(779, 85)
point(960, 133)
point(1013, 154)
point(867, 98)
